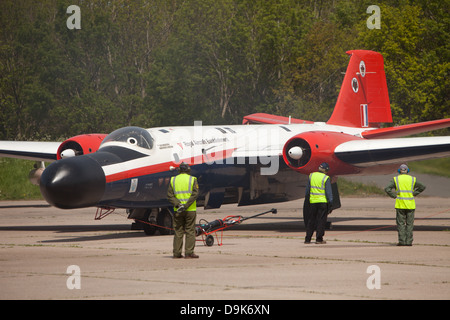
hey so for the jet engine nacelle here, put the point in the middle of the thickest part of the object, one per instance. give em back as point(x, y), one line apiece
point(306, 151)
point(79, 145)
point(75, 146)
point(35, 175)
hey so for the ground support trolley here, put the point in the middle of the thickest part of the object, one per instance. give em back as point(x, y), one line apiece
point(207, 229)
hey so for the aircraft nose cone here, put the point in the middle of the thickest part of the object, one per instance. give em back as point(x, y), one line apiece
point(70, 183)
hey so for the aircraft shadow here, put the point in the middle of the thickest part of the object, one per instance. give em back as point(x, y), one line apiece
point(116, 229)
point(289, 226)
point(115, 236)
point(67, 228)
point(362, 225)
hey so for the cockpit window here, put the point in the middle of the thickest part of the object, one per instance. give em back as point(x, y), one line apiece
point(134, 136)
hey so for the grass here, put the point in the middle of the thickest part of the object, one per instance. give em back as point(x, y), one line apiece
point(349, 188)
point(14, 182)
point(438, 167)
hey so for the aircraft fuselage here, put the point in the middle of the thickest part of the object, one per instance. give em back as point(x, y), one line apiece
point(234, 164)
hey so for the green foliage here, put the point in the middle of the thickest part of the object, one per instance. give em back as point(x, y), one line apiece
point(414, 43)
point(170, 62)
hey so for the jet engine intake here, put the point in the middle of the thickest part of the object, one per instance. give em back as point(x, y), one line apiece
point(80, 145)
point(306, 151)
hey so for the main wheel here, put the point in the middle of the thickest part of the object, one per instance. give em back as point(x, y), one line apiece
point(148, 229)
point(164, 220)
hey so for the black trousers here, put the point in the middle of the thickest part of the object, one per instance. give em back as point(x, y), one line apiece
point(317, 221)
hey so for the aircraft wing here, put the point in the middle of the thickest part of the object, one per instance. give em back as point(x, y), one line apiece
point(29, 150)
point(365, 153)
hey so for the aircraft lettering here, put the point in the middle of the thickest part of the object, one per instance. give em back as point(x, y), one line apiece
point(204, 141)
point(165, 146)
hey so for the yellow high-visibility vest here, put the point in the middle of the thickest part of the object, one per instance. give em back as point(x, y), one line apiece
point(405, 188)
point(317, 191)
point(182, 186)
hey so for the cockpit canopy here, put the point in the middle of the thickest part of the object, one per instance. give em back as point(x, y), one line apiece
point(133, 136)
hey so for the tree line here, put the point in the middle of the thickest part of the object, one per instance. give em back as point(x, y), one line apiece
point(169, 62)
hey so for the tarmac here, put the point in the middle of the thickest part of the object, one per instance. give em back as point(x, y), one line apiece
point(52, 254)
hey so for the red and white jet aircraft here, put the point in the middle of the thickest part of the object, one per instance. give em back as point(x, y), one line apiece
point(267, 159)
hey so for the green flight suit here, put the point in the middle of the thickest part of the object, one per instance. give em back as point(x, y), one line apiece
point(404, 188)
point(183, 189)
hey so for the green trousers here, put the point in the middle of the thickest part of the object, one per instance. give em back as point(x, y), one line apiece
point(405, 226)
point(184, 223)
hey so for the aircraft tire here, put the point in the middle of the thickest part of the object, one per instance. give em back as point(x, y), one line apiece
point(164, 219)
point(149, 230)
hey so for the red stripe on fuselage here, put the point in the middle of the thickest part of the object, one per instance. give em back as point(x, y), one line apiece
point(137, 172)
point(165, 166)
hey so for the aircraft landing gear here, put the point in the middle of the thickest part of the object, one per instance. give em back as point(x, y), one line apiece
point(152, 220)
point(164, 221)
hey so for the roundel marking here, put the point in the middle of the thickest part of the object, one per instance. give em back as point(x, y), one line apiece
point(362, 68)
point(355, 85)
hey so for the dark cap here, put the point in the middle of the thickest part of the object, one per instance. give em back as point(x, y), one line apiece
point(184, 167)
point(324, 166)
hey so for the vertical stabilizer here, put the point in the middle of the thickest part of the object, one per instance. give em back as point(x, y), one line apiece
point(363, 101)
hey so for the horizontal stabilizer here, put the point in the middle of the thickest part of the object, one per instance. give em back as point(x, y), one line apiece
point(406, 130)
point(258, 118)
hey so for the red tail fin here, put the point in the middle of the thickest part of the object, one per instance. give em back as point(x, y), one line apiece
point(363, 100)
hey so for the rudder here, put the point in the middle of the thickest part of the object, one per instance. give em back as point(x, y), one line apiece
point(363, 101)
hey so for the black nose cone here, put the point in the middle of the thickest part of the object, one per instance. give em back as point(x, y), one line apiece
point(71, 183)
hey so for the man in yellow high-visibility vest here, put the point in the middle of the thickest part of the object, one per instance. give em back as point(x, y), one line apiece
point(182, 194)
point(318, 189)
point(404, 188)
